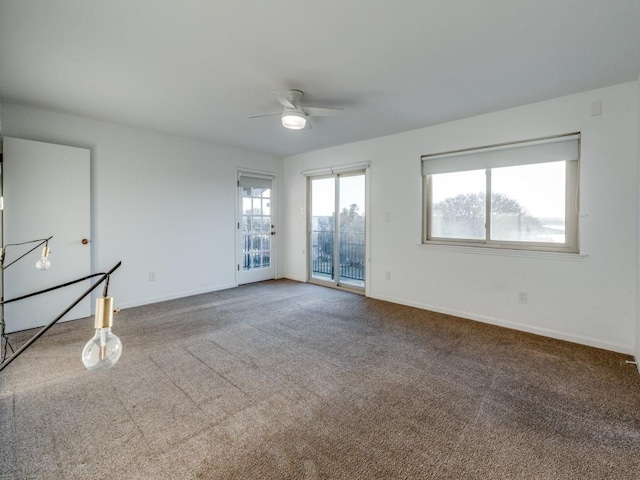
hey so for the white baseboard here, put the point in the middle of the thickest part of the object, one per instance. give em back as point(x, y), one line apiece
point(591, 342)
point(173, 296)
point(583, 340)
point(295, 278)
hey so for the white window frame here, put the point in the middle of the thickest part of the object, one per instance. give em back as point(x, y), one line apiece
point(540, 150)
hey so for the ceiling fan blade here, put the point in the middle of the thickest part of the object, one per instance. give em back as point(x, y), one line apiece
point(264, 115)
point(282, 100)
point(323, 112)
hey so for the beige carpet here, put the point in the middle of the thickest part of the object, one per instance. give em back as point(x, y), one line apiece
point(283, 380)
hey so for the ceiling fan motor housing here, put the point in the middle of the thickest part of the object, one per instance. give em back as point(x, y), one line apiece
point(294, 97)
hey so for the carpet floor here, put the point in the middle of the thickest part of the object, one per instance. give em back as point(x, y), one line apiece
point(285, 380)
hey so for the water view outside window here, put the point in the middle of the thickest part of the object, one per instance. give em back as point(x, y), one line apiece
point(527, 204)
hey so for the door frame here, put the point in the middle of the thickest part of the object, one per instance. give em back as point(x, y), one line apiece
point(251, 172)
point(335, 172)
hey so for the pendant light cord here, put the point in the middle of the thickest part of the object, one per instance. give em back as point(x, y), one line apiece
point(42, 242)
point(39, 333)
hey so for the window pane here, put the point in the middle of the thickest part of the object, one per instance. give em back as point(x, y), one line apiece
point(323, 200)
point(256, 206)
point(246, 205)
point(528, 203)
point(458, 205)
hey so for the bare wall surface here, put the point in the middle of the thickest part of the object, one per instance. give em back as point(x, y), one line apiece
point(590, 299)
point(160, 203)
point(637, 336)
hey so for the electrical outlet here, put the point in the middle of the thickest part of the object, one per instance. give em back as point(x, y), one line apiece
point(522, 297)
point(152, 276)
point(387, 275)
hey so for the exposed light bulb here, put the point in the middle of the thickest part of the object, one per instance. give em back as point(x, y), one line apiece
point(104, 349)
point(44, 263)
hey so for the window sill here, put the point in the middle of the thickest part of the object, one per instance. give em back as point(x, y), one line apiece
point(502, 252)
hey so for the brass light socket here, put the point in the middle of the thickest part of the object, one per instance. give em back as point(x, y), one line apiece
point(45, 252)
point(104, 312)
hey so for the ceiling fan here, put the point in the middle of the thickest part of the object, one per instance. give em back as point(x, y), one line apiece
point(294, 114)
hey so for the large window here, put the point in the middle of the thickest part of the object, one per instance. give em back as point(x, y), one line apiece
point(520, 195)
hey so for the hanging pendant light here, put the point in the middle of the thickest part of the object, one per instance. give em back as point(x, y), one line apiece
point(104, 349)
point(44, 263)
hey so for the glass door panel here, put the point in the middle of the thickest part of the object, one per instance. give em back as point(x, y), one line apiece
point(351, 244)
point(337, 245)
point(256, 229)
point(323, 201)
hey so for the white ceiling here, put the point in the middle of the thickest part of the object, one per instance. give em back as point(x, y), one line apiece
point(198, 68)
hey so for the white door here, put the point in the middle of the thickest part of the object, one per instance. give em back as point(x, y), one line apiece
point(256, 228)
point(46, 192)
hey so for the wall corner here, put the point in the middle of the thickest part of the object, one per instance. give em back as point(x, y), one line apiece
point(636, 349)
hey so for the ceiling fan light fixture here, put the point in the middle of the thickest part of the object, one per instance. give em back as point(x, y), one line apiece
point(294, 120)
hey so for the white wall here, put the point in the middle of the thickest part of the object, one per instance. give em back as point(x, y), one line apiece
point(160, 203)
point(637, 336)
point(591, 300)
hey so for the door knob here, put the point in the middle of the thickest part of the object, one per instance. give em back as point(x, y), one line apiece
point(85, 241)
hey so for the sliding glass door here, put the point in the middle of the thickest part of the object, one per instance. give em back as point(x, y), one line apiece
point(337, 230)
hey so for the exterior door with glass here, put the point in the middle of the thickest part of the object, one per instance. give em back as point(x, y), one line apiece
point(256, 228)
point(337, 246)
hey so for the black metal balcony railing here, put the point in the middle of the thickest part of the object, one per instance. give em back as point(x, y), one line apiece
point(256, 250)
point(351, 251)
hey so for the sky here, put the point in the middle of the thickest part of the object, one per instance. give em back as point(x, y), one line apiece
point(323, 194)
point(540, 188)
